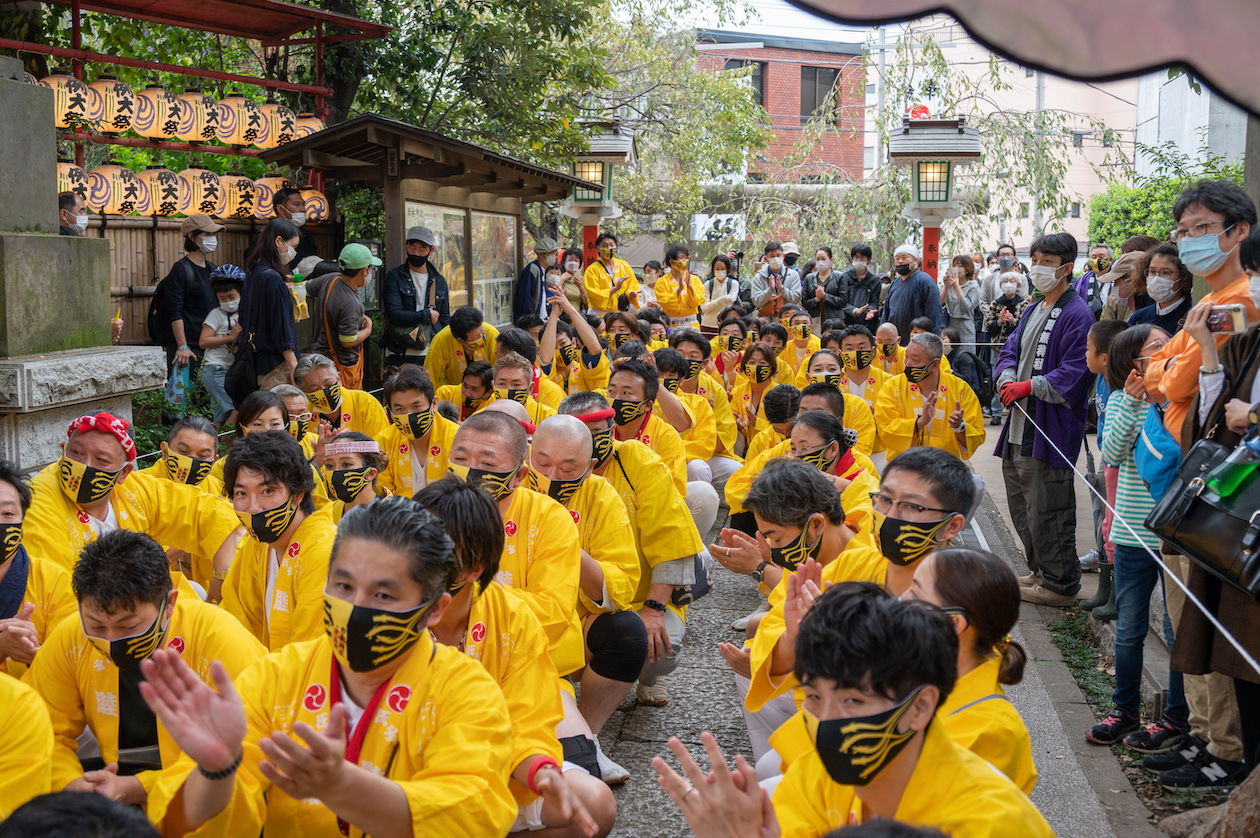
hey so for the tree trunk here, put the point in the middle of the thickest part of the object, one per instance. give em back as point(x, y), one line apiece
point(1238, 817)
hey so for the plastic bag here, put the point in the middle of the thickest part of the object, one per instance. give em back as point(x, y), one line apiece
point(177, 387)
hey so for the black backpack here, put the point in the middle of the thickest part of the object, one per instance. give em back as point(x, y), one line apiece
point(984, 376)
point(158, 322)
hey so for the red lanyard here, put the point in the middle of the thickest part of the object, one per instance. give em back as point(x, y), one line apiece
point(533, 386)
point(642, 428)
point(355, 743)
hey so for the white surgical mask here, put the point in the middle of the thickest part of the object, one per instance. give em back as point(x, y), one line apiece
point(719, 273)
point(546, 259)
point(1160, 289)
point(299, 218)
point(776, 263)
point(289, 255)
point(978, 267)
point(1009, 288)
point(231, 306)
point(209, 243)
point(80, 222)
point(822, 265)
point(1043, 277)
point(572, 267)
point(859, 266)
point(1255, 291)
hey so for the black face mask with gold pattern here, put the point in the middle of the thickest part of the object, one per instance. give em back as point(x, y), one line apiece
point(128, 652)
point(413, 425)
point(364, 639)
point(603, 446)
point(267, 526)
point(10, 539)
point(855, 749)
point(791, 556)
point(325, 400)
point(187, 470)
point(497, 483)
point(298, 428)
point(345, 484)
point(569, 355)
point(521, 397)
point(84, 484)
point(905, 542)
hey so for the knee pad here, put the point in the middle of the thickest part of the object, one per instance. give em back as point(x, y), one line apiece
point(618, 644)
point(581, 752)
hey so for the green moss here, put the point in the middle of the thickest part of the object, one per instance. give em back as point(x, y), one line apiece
point(1075, 642)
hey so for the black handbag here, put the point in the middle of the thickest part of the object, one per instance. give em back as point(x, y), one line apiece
point(1220, 535)
point(241, 378)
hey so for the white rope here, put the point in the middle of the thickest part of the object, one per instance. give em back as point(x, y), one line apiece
point(1170, 574)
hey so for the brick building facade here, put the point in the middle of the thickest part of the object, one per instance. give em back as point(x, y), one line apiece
point(793, 77)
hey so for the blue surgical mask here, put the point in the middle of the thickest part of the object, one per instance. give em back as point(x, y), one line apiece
point(1203, 254)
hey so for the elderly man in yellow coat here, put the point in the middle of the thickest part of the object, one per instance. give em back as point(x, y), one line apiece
point(925, 406)
point(342, 408)
point(94, 489)
point(372, 729)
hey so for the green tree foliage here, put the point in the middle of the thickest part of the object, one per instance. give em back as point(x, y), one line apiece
point(1145, 206)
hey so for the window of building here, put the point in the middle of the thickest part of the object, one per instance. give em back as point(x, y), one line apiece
point(1076, 209)
point(451, 227)
point(817, 84)
point(757, 77)
point(1023, 210)
point(868, 157)
point(1029, 72)
point(1078, 139)
point(493, 265)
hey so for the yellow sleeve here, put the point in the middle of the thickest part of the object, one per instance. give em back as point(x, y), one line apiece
point(462, 788)
point(438, 359)
point(242, 597)
point(553, 582)
point(52, 677)
point(185, 517)
point(859, 512)
point(891, 412)
point(857, 415)
point(47, 528)
point(668, 446)
point(723, 418)
point(54, 600)
point(973, 416)
point(763, 686)
point(995, 732)
point(802, 804)
point(385, 477)
point(549, 393)
point(530, 689)
point(739, 484)
point(762, 443)
point(26, 747)
point(701, 438)
point(597, 288)
point(609, 540)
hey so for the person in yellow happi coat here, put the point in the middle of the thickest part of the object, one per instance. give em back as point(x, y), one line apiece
point(608, 277)
point(862, 377)
point(756, 377)
point(570, 353)
point(275, 581)
point(189, 455)
point(342, 408)
point(825, 368)
point(35, 594)
point(26, 746)
point(352, 463)
point(890, 355)
point(418, 440)
point(700, 440)
point(94, 489)
point(464, 340)
point(979, 591)
point(925, 406)
point(679, 291)
point(541, 554)
point(88, 672)
point(802, 343)
point(370, 729)
point(697, 351)
point(665, 539)
point(493, 625)
point(876, 670)
point(541, 388)
point(512, 375)
point(475, 390)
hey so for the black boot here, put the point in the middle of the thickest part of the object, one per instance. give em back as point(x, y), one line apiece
point(1104, 589)
point(1107, 613)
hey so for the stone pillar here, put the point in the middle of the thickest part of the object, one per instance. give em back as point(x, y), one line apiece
point(55, 359)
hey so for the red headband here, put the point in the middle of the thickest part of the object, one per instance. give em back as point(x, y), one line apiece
point(597, 416)
point(529, 427)
point(105, 423)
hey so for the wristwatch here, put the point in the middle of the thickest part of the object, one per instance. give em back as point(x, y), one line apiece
point(654, 605)
point(759, 572)
point(220, 574)
point(962, 426)
point(1253, 415)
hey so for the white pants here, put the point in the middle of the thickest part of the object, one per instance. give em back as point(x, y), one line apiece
point(766, 720)
point(529, 817)
point(702, 502)
point(879, 460)
point(715, 471)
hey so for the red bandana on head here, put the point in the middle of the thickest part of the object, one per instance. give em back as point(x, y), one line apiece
point(105, 423)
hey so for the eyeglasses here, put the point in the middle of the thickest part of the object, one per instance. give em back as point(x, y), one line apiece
point(1197, 230)
point(883, 504)
point(304, 417)
point(1170, 275)
point(798, 453)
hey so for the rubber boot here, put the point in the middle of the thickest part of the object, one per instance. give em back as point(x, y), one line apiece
point(1107, 613)
point(1104, 589)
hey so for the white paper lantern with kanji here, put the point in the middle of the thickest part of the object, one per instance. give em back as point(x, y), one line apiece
point(158, 113)
point(205, 192)
point(267, 188)
point(73, 101)
point(282, 125)
point(198, 117)
point(240, 196)
point(115, 190)
point(71, 178)
point(241, 122)
point(118, 104)
point(307, 124)
point(167, 191)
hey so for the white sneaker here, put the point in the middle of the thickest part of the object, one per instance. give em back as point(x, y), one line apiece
point(609, 770)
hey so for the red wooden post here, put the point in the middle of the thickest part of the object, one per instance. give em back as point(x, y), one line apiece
point(590, 233)
point(931, 250)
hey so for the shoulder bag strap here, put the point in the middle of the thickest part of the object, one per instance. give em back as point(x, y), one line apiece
point(332, 345)
point(1233, 388)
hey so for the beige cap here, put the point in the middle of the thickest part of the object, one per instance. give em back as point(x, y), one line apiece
point(194, 223)
point(1124, 267)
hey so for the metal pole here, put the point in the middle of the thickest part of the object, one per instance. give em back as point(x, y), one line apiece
point(1036, 196)
point(879, 113)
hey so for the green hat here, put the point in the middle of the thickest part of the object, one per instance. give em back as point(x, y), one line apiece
point(355, 256)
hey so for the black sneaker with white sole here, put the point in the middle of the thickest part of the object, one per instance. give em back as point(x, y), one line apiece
point(1206, 772)
point(1189, 751)
point(1158, 738)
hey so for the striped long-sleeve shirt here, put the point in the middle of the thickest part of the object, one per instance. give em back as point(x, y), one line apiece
point(1125, 416)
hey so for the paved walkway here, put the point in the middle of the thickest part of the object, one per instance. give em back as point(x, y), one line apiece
point(1081, 789)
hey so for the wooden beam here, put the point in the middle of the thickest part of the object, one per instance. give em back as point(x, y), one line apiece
point(469, 179)
point(356, 174)
point(431, 171)
point(395, 216)
point(324, 160)
point(375, 136)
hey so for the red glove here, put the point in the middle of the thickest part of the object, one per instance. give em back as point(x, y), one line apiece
point(1014, 391)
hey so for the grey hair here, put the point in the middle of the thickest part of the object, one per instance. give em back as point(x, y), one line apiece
point(931, 343)
point(192, 422)
point(1103, 245)
point(309, 364)
point(287, 391)
point(583, 402)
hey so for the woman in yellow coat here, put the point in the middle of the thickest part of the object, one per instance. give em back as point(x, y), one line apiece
point(926, 406)
point(679, 291)
point(275, 584)
point(979, 591)
point(418, 732)
point(757, 365)
point(608, 277)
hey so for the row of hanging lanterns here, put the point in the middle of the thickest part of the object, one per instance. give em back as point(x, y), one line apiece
point(155, 113)
point(116, 190)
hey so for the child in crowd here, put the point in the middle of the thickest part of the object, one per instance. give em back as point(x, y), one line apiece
point(218, 333)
